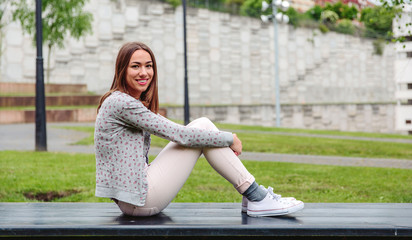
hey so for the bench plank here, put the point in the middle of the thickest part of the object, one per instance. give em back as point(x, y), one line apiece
point(205, 219)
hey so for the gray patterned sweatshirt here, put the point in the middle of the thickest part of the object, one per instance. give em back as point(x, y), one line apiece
point(122, 141)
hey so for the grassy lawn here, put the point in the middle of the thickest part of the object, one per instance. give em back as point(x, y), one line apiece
point(30, 173)
point(234, 127)
point(255, 142)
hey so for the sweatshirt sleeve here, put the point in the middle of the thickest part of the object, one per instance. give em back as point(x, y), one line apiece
point(136, 115)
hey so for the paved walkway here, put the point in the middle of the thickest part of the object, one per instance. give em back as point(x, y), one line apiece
point(21, 137)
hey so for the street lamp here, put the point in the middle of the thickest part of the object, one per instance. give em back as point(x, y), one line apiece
point(186, 87)
point(276, 17)
point(41, 135)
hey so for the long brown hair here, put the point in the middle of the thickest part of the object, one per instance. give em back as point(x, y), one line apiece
point(149, 97)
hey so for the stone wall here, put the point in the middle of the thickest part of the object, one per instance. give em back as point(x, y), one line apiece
point(230, 58)
point(377, 117)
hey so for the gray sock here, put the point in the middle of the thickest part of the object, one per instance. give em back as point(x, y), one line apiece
point(254, 193)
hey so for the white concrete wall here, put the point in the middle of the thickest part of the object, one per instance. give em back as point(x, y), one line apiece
point(403, 70)
point(230, 58)
point(341, 117)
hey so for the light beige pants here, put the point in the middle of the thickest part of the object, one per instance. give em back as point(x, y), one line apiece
point(171, 168)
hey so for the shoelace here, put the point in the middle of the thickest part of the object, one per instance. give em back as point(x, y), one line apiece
point(274, 195)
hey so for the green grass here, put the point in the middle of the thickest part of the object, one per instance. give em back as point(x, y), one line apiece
point(324, 146)
point(258, 140)
point(37, 172)
point(234, 127)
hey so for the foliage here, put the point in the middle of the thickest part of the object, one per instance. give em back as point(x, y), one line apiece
point(315, 12)
point(59, 18)
point(253, 8)
point(234, 5)
point(378, 20)
point(342, 10)
point(345, 26)
point(378, 46)
point(323, 28)
point(174, 3)
point(294, 17)
point(329, 17)
point(3, 22)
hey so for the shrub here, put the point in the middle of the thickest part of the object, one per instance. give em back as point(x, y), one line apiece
point(345, 26)
point(293, 15)
point(315, 12)
point(252, 8)
point(329, 16)
point(378, 21)
point(378, 46)
point(323, 28)
point(343, 10)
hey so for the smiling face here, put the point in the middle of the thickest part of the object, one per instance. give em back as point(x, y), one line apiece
point(139, 73)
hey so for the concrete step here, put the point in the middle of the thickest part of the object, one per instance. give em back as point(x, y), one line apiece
point(54, 115)
point(67, 100)
point(10, 88)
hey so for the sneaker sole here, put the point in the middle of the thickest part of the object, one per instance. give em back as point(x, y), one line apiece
point(276, 212)
point(244, 206)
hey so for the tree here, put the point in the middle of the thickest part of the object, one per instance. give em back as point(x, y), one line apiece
point(60, 18)
point(3, 22)
point(378, 21)
point(397, 7)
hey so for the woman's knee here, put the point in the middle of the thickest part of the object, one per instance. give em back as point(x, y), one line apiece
point(203, 122)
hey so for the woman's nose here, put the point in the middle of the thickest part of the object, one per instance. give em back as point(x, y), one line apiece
point(143, 72)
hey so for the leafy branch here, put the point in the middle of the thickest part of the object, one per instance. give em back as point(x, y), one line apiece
point(59, 18)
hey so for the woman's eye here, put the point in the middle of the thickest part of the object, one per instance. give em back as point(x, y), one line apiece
point(149, 66)
point(135, 66)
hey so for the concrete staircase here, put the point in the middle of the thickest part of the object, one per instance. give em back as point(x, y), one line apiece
point(64, 103)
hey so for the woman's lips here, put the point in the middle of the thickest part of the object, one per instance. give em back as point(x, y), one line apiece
point(142, 81)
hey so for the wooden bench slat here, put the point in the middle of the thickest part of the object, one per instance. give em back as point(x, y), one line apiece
point(204, 219)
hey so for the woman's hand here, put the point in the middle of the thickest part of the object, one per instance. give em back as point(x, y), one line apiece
point(237, 145)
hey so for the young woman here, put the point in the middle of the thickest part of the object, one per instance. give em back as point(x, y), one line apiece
point(127, 116)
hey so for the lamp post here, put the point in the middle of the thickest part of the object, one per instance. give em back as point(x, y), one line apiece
point(186, 87)
point(276, 17)
point(41, 136)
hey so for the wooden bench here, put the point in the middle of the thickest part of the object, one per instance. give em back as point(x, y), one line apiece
point(205, 220)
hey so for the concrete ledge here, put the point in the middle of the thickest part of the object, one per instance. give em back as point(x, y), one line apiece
point(62, 115)
point(30, 88)
point(210, 220)
point(73, 100)
point(28, 116)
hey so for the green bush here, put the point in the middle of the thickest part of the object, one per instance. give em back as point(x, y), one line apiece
point(329, 17)
point(343, 10)
point(378, 21)
point(323, 28)
point(315, 12)
point(253, 8)
point(345, 26)
point(378, 46)
point(294, 16)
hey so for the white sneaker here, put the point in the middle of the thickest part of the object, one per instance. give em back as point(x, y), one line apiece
point(273, 205)
point(270, 190)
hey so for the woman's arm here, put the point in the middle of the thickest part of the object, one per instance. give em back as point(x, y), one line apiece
point(135, 114)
